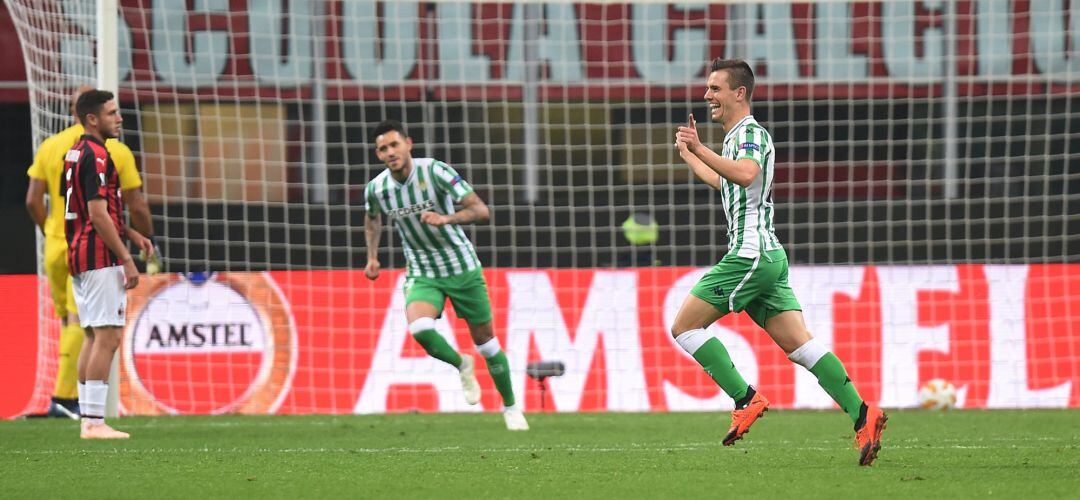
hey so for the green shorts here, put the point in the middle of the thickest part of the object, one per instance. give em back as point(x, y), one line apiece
point(467, 291)
point(758, 286)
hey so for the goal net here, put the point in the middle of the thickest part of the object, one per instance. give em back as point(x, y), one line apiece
point(926, 191)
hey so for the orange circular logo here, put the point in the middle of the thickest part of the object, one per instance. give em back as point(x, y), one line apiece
point(206, 344)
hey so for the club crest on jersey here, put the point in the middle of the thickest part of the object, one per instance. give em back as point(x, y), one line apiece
point(238, 323)
point(750, 145)
point(412, 209)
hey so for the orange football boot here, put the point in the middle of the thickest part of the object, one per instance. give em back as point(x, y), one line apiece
point(868, 438)
point(741, 420)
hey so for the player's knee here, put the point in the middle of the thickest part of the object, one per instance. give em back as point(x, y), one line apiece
point(481, 333)
point(684, 323)
point(421, 325)
point(482, 338)
point(108, 338)
point(678, 328)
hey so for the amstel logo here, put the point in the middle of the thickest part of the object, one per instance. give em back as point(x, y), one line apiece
point(207, 343)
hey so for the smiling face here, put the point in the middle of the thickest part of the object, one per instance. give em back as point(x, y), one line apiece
point(395, 150)
point(726, 105)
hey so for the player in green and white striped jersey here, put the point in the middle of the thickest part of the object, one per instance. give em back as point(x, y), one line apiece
point(418, 195)
point(752, 276)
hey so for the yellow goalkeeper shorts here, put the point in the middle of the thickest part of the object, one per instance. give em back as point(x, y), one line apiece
point(56, 270)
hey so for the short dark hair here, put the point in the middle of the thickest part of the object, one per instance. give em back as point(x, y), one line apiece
point(90, 103)
point(739, 73)
point(388, 126)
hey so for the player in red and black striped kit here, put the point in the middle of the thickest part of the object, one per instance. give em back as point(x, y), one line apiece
point(92, 176)
point(100, 264)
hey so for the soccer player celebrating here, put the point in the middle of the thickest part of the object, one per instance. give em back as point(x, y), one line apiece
point(419, 194)
point(752, 276)
point(99, 261)
point(45, 177)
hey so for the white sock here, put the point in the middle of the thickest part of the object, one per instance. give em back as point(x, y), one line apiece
point(489, 348)
point(692, 340)
point(808, 354)
point(96, 393)
point(82, 396)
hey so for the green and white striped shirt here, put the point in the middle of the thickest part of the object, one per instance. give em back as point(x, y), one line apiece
point(749, 210)
point(432, 252)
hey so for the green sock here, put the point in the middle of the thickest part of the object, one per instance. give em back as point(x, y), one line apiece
point(834, 379)
point(499, 368)
point(714, 358)
point(437, 347)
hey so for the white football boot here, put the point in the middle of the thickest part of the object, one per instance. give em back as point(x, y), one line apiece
point(515, 420)
point(469, 385)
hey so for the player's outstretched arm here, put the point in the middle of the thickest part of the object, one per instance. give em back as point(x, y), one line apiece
point(473, 210)
point(741, 172)
point(372, 235)
point(103, 226)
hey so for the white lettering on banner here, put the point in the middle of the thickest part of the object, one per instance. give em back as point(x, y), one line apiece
point(279, 58)
point(1008, 345)
point(379, 42)
point(902, 339)
point(815, 287)
point(995, 42)
point(738, 348)
point(610, 311)
point(688, 46)
point(169, 39)
point(389, 367)
point(77, 52)
point(457, 62)
point(898, 28)
point(1051, 39)
point(559, 44)
point(361, 52)
point(833, 42)
point(773, 45)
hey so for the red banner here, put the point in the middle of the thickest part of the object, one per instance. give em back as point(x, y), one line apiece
point(334, 342)
point(1006, 336)
point(19, 356)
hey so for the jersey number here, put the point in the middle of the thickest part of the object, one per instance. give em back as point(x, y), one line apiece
point(68, 215)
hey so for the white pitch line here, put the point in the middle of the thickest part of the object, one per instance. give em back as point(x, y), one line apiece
point(459, 449)
point(154, 424)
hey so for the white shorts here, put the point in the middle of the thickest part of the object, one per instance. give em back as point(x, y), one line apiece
point(100, 297)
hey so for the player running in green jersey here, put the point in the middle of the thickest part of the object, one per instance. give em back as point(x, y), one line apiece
point(752, 276)
point(418, 195)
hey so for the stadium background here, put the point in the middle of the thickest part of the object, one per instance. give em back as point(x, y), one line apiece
point(858, 185)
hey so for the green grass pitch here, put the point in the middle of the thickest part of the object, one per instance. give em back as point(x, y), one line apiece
point(790, 454)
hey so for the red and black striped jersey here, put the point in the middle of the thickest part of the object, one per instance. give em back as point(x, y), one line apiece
point(89, 174)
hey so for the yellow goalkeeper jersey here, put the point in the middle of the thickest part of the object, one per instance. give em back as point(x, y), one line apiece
point(48, 166)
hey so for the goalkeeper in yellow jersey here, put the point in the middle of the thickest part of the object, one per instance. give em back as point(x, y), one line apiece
point(45, 175)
